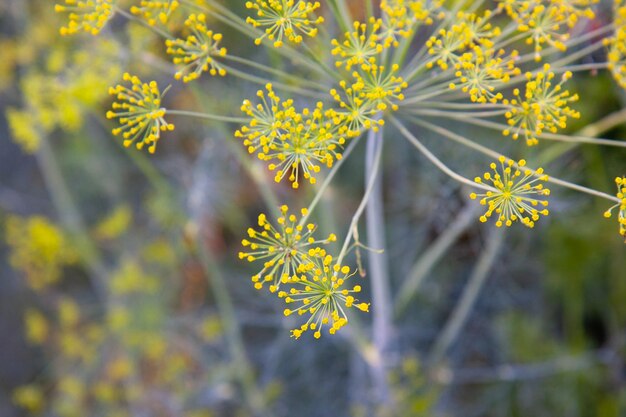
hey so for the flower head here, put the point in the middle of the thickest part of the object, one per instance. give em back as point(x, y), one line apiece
point(198, 51)
point(85, 15)
point(447, 45)
point(282, 249)
point(481, 72)
point(311, 139)
point(319, 290)
point(621, 206)
point(364, 42)
point(155, 10)
point(138, 110)
point(266, 118)
point(545, 107)
point(355, 109)
point(381, 85)
point(284, 19)
point(511, 193)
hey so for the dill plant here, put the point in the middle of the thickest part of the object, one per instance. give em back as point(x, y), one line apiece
point(401, 68)
point(378, 71)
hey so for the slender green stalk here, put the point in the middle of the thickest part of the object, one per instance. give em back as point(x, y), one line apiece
point(487, 151)
point(277, 72)
point(378, 264)
point(500, 127)
point(278, 85)
point(208, 116)
point(359, 211)
point(432, 158)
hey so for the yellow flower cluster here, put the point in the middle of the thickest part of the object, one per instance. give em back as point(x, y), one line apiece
point(545, 107)
point(155, 10)
point(297, 143)
point(282, 249)
point(293, 258)
point(375, 89)
point(621, 206)
point(400, 17)
point(364, 42)
point(85, 15)
point(198, 51)
point(38, 249)
point(616, 45)
point(318, 289)
point(284, 19)
point(139, 112)
point(511, 193)
point(547, 22)
point(482, 71)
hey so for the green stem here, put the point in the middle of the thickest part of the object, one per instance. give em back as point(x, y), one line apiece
point(487, 151)
point(208, 116)
point(378, 266)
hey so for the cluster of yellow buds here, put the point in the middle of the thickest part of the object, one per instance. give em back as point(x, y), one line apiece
point(296, 143)
point(155, 10)
point(198, 51)
point(300, 271)
point(282, 248)
point(138, 110)
point(547, 22)
point(481, 72)
point(510, 193)
point(85, 15)
point(401, 17)
point(318, 289)
point(364, 42)
point(284, 19)
point(543, 108)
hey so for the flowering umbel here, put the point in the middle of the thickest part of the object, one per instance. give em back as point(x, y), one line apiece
point(198, 51)
point(544, 107)
point(282, 249)
point(138, 110)
point(319, 290)
point(284, 19)
point(512, 193)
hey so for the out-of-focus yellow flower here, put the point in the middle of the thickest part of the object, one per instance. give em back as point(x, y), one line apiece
point(37, 327)
point(155, 10)
point(39, 249)
point(115, 224)
point(29, 397)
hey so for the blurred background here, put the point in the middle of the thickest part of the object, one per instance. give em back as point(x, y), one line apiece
point(121, 292)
